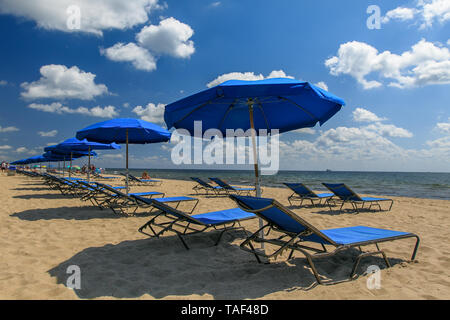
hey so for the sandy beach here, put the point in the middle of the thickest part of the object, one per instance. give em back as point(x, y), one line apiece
point(42, 233)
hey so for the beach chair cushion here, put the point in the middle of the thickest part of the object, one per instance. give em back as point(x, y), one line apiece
point(174, 199)
point(223, 216)
point(355, 235)
point(150, 193)
point(373, 199)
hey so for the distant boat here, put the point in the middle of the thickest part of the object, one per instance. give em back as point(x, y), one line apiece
point(328, 170)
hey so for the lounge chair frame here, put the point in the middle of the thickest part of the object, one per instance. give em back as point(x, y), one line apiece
point(183, 225)
point(358, 204)
point(313, 197)
point(134, 181)
point(148, 203)
point(229, 189)
point(118, 201)
point(206, 187)
point(296, 242)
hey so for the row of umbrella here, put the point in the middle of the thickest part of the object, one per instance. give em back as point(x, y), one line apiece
point(104, 135)
point(281, 103)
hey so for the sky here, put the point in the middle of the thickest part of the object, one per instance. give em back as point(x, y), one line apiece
point(66, 64)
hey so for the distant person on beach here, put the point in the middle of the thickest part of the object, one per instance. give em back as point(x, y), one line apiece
point(3, 166)
point(145, 175)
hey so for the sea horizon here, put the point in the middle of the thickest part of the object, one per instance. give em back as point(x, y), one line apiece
point(427, 185)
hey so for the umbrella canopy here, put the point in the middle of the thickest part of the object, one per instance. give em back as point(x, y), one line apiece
point(280, 103)
point(35, 159)
point(283, 104)
point(74, 155)
point(125, 130)
point(74, 146)
point(115, 130)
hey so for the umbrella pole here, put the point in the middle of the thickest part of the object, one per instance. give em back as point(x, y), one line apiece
point(70, 169)
point(89, 165)
point(64, 165)
point(126, 180)
point(255, 158)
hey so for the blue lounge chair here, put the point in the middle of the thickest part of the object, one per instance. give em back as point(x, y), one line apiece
point(118, 201)
point(302, 192)
point(132, 180)
point(298, 235)
point(205, 186)
point(182, 224)
point(100, 177)
point(232, 189)
point(176, 201)
point(343, 195)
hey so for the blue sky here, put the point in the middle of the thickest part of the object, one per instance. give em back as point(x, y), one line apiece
point(129, 59)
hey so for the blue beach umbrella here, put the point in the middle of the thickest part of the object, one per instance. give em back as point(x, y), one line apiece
point(76, 146)
point(279, 103)
point(125, 130)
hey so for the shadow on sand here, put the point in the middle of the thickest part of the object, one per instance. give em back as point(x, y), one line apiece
point(48, 196)
point(66, 213)
point(162, 268)
point(32, 189)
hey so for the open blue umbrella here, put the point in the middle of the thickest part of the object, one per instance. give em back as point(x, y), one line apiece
point(74, 145)
point(280, 103)
point(125, 130)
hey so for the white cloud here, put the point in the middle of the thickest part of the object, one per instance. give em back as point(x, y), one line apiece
point(322, 85)
point(215, 4)
point(310, 131)
point(151, 113)
point(8, 129)
point(441, 143)
point(425, 64)
point(95, 16)
point(367, 142)
point(427, 12)
point(116, 156)
point(389, 130)
point(56, 107)
point(170, 37)
point(385, 130)
point(3, 83)
point(434, 10)
point(363, 115)
point(22, 150)
point(444, 127)
point(400, 13)
point(141, 58)
point(251, 76)
point(5, 147)
point(60, 82)
point(51, 133)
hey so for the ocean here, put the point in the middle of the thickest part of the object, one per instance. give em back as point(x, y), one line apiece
point(404, 184)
